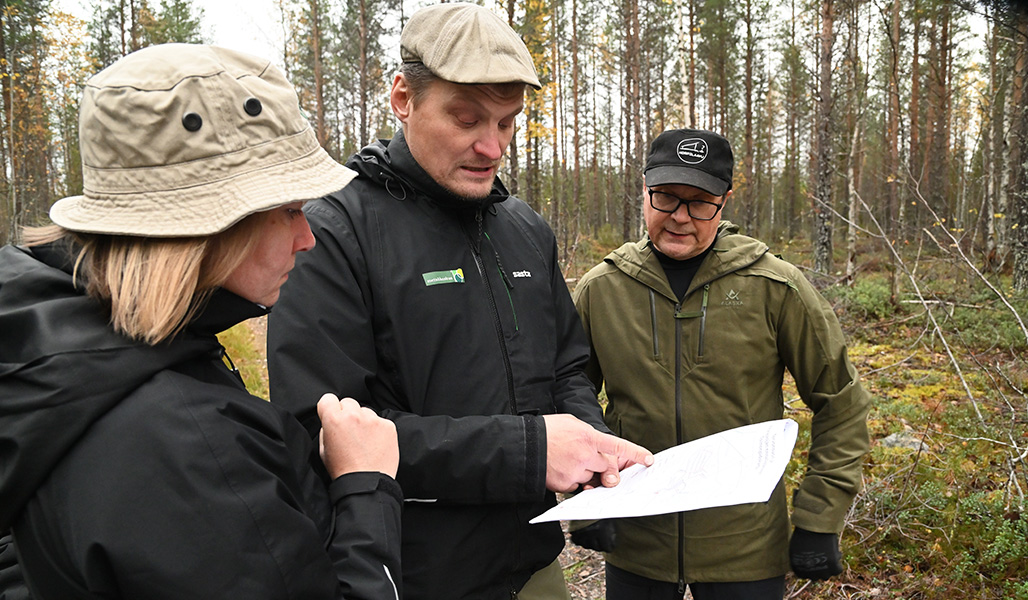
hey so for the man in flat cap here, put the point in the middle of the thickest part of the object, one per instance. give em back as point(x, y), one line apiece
point(434, 297)
point(692, 328)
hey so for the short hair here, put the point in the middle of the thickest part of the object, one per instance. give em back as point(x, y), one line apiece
point(419, 78)
point(154, 286)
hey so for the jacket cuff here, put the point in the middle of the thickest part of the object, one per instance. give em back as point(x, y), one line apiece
point(813, 513)
point(535, 455)
point(363, 482)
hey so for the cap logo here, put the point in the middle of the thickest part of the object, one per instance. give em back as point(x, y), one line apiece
point(692, 151)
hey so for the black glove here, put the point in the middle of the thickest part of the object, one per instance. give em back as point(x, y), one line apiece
point(599, 536)
point(815, 555)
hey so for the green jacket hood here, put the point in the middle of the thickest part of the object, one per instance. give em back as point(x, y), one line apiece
point(732, 251)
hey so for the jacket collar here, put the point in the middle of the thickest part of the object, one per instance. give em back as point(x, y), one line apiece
point(392, 159)
point(731, 251)
point(223, 310)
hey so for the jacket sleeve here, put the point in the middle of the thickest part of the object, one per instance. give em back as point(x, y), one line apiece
point(320, 335)
point(365, 544)
point(573, 391)
point(254, 517)
point(580, 298)
point(201, 493)
point(321, 338)
point(12, 583)
point(813, 347)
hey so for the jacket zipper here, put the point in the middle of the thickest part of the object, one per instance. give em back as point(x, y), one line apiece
point(679, 434)
point(679, 316)
point(506, 282)
point(511, 398)
point(703, 319)
point(497, 324)
point(653, 324)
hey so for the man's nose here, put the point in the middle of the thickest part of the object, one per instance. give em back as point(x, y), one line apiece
point(682, 213)
point(488, 144)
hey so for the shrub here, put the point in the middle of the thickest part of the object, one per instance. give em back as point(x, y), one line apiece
point(869, 296)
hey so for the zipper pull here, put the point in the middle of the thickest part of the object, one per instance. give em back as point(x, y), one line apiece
point(503, 274)
point(231, 366)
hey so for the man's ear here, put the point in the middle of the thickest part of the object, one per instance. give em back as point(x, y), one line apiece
point(728, 194)
point(401, 98)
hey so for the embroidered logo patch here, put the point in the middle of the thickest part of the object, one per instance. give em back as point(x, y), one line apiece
point(522, 273)
point(692, 151)
point(440, 277)
point(732, 299)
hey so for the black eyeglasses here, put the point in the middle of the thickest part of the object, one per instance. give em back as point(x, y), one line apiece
point(701, 210)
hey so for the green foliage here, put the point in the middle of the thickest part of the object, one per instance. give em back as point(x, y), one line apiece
point(592, 250)
point(118, 28)
point(988, 323)
point(869, 297)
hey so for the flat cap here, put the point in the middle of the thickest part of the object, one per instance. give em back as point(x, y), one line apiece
point(467, 43)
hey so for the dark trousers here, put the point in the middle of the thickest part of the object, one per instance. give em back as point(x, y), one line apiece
point(622, 585)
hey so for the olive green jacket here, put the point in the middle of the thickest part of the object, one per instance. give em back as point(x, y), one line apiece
point(674, 373)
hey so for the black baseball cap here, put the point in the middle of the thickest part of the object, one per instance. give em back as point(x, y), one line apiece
point(693, 157)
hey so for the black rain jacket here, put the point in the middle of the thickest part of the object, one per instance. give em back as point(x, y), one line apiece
point(451, 318)
point(136, 471)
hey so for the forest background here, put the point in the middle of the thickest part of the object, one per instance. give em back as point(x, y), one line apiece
point(882, 145)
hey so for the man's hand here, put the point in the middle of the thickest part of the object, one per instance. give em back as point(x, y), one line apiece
point(578, 454)
point(815, 555)
point(356, 439)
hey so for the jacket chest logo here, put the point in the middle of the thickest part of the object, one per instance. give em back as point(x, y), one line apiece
point(441, 277)
point(732, 299)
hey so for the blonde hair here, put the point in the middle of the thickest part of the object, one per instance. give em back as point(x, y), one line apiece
point(154, 286)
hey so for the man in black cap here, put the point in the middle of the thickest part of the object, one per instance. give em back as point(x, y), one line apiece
point(435, 298)
point(692, 328)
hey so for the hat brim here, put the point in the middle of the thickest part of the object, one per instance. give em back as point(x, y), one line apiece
point(206, 208)
point(674, 175)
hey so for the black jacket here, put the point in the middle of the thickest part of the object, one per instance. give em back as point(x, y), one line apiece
point(451, 318)
point(136, 471)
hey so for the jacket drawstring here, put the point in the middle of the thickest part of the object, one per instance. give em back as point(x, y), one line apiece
point(480, 219)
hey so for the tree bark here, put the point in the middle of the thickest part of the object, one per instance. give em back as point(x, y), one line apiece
point(319, 78)
point(892, 123)
point(824, 166)
point(512, 149)
point(914, 153)
point(364, 77)
point(749, 203)
point(633, 144)
point(576, 140)
point(1019, 193)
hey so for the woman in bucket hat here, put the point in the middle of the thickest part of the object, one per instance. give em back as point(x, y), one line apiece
point(134, 462)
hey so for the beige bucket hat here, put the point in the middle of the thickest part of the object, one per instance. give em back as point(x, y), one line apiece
point(467, 43)
point(186, 140)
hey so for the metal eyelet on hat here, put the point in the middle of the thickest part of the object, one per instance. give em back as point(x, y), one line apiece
point(192, 121)
point(252, 106)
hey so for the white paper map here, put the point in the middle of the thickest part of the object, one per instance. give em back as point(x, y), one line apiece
point(732, 467)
